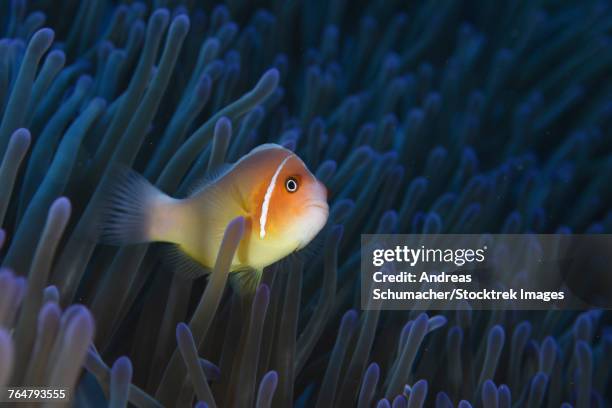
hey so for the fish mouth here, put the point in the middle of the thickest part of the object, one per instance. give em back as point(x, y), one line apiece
point(313, 220)
point(320, 205)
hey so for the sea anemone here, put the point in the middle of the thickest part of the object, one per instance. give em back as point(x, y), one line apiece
point(434, 117)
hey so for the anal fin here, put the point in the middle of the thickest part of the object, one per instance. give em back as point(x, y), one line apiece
point(245, 281)
point(183, 265)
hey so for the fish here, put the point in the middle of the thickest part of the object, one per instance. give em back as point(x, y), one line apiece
point(284, 206)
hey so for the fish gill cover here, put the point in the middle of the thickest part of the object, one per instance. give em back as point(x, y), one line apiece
point(429, 117)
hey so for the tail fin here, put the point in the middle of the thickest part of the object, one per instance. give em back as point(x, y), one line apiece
point(129, 209)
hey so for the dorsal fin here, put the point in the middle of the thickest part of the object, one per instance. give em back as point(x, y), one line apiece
point(209, 179)
point(223, 169)
point(267, 146)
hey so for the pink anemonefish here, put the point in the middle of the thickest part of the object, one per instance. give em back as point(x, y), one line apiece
point(283, 203)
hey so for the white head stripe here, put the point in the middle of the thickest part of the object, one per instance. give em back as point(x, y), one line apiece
point(268, 197)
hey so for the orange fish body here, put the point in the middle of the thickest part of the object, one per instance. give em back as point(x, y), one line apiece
point(283, 203)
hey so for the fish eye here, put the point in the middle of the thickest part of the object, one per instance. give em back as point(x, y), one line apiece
point(291, 184)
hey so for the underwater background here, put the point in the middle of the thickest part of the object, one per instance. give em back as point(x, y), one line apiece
point(420, 117)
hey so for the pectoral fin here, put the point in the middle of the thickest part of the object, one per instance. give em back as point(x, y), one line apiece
point(243, 249)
